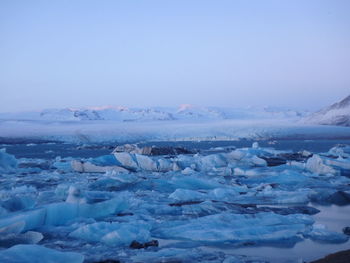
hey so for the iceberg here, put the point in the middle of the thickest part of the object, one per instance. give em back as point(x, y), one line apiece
point(316, 165)
point(17, 203)
point(38, 254)
point(126, 160)
point(322, 234)
point(29, 237)
point(57, 214)
point(87, 167)
point(238, 229)
point(114, 233)
point(8, 162)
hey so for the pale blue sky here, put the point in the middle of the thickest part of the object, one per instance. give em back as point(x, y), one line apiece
point(61, 53)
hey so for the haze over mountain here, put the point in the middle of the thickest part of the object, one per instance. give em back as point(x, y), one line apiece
point(336, 114)
point(183, 112)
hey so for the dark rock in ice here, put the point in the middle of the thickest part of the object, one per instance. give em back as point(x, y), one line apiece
point(125, 214)
point(169, 151)
point(282, 158)
point(346, 230)
point(107, 261)
point(44, 165)
point(137, 245)
point(94, 147)
point(308, 210)
point(339, 257)
point(151, 150)
point(186, 203)
point(299, 156)
point(274, 161)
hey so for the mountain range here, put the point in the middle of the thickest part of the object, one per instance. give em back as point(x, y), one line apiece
point(336, 114)
point(184, 112)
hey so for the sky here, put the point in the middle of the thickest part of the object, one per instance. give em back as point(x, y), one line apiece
point(232, 53)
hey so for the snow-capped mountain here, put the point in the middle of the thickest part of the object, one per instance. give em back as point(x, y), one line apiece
point(70, 114)
point(184, 112)
point(106, 113)
point(336, 114)
point(188, 111)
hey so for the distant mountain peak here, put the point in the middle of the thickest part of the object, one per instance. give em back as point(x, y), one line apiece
point(184, 107)
point(186, 112)
point(336, 114)
point(341, 104)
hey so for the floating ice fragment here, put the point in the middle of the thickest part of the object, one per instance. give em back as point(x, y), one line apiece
point(30, 237)
point(75, 195)
point(321, 233)
point(8, 162)
point(87, 167)
point(146, 163)
point(126, 160)
point(56, 214)
point(17, 203)
point(38, 254)
point(114, 234)
point(237, 228)
point(315, 164)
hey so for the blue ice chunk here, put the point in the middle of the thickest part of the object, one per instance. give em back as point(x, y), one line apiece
point(317, 164)
point(32, 219)
point(289, 179)
point(105, 160)
point(340, 151)
point(126, 160)
point(188, 195)
point(14, 228)
point(146, 163)
point(8, 162)
point(56, 214)
point(212, 161)
point(102, 209)
point(38, 254)
point(322, 234)
point(29, 237)
point(113, 183)
point(63, 164)
point(17, 203)
point(193, 183)
point(61, 213)
point(237, 228)
point(114, 234)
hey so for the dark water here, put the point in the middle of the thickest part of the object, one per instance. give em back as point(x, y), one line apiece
point(293, 145)
point(51, 150)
